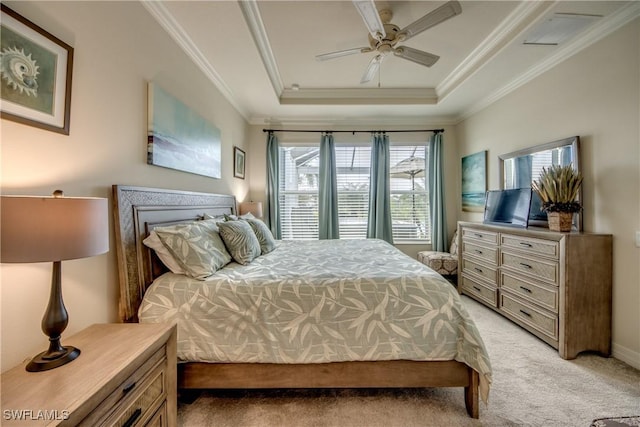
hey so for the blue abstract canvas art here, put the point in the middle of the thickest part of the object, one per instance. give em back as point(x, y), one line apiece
point(474, 181)
point(179, 138)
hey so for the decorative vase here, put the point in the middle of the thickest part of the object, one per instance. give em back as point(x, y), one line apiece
point(560, 221)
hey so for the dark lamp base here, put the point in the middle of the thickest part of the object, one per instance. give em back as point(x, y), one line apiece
point(44, 361)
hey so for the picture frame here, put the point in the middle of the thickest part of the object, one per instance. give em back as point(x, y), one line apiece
point(38, 92)
point(474, 181)
point(179, 138)
point(238, 163)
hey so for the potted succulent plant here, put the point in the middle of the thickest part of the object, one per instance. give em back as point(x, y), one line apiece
point(558, 188)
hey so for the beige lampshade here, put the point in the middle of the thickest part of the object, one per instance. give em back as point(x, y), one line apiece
point(43, 229)
point(255, 208)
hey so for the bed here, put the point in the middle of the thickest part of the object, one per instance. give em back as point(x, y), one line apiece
point(322, 314)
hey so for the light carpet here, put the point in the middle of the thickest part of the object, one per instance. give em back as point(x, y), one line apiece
point(532, 386)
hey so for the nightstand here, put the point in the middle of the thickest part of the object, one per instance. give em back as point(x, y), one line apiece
point(125, 376)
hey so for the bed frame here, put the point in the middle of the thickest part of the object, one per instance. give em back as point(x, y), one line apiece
point(138, 209)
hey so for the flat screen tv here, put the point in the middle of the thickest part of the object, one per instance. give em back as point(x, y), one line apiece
point(508, 207)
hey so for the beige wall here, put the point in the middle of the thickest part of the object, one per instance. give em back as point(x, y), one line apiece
point(118, 49)
point(257, 161)
point(596, 95)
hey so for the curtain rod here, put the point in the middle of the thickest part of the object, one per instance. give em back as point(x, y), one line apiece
point(353, 131)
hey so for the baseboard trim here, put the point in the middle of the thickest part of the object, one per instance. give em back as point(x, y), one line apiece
point(627, 355)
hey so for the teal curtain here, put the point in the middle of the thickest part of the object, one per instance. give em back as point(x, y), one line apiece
point(273, 182)
point(329, 227)
point(439, 239)
point(379, 225)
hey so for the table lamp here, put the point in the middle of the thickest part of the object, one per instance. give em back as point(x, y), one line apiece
point(255, 208)
point(52, 229)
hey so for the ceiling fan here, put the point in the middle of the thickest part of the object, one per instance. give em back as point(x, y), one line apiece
point(384, 36)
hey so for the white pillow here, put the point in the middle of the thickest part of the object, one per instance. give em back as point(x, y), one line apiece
point(153, 241)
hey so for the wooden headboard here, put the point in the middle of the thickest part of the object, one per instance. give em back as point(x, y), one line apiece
point(136, 211)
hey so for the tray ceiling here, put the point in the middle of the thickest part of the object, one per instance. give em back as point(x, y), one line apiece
point(261, 55)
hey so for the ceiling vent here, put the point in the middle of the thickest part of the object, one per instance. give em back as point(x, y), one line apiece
point(559, 28)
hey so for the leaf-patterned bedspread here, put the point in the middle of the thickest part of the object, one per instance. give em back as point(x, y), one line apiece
point(319, 301)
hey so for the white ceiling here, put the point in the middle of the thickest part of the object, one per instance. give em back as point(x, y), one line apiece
point(255, 52)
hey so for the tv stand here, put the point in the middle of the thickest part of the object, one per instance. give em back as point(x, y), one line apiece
point(555, 285)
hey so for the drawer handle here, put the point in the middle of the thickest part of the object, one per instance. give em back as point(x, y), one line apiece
point(525, 265)
point(525, 313)
point(478, 235)
point(477, 289)
point(128, 388)
point(529, 245)
point(525, 289)
point(478, 251)
point(133, 418)
point(479, 270)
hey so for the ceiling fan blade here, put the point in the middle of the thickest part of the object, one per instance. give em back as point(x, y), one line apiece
point(417, 56)
point(444, 12)
point(371, 18)
point(340, 53)
point(372, 69)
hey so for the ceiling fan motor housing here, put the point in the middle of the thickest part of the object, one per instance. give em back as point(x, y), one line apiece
point(390, 39)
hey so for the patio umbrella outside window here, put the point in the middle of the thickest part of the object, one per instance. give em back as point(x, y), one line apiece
point(412, 167)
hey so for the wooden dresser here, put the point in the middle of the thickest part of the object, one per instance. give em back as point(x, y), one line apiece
point(555, 285)
point(125, 376)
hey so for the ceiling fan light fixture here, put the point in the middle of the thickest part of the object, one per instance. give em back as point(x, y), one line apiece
point(384, 35)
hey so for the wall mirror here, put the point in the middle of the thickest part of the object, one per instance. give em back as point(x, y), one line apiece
point(520, 168)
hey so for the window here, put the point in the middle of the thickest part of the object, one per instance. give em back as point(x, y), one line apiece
point(352, 175)
point(299, 169)
point(409, 193)
point(299, 192)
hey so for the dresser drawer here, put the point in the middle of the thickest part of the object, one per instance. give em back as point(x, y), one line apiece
point(159, 419)
point(537, 319)
point(536, 268)
point(153, 393)
point(489, 254)
point(481, 235)
point(480, 269)
point(126, 394)
point(545, 296)
point(530, 244)
point(479, 290)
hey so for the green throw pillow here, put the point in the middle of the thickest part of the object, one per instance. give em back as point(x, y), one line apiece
point(240, 240)
point(196, 247)
point(267, 242)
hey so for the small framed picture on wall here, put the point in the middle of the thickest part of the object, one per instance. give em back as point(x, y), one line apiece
point(238, 162)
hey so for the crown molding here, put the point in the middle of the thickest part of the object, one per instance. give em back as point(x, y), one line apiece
point(180, 36)
point(522, 17)
point(596, 33)
point(350, 122)
point(254, 21)
point(359, 96)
